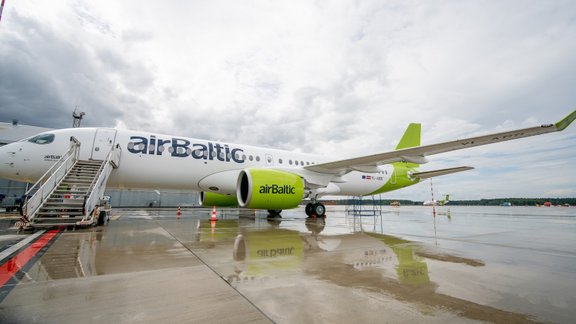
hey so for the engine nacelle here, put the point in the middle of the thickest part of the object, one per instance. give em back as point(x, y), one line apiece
point(209, 199)
point(269, 189)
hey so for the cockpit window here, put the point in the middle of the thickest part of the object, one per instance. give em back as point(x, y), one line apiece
point(42, 139)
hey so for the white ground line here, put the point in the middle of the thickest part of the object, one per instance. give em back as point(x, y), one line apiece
point(18, 245)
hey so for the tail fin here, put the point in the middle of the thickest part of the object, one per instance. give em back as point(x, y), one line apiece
point(447, 197)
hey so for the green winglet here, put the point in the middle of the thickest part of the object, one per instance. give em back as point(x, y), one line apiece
point(561, 125)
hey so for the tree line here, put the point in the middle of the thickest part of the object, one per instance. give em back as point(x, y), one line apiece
point(481, 202)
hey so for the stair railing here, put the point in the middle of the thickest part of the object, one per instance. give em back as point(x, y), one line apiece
point(98, 185)
point(43, 188)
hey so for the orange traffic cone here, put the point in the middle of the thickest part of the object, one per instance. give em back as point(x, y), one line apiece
point(213, 218)
point(178, 212)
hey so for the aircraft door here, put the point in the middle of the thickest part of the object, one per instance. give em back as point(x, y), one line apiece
point(103, 143)
point(269, 160)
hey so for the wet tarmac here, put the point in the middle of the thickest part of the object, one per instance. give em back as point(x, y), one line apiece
point(463, 264)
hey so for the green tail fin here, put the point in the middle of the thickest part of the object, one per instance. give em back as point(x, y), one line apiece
point(411, 137)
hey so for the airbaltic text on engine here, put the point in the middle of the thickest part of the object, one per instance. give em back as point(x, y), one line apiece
point(180, 147)
point(278, 190)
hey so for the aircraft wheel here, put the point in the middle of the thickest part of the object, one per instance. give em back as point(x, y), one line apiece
point(309, 209)
point(318, 209)
point(274, 212)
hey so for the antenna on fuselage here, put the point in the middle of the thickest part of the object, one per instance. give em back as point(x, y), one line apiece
point(77, 118)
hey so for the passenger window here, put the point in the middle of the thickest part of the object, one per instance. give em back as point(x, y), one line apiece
point(42, 139)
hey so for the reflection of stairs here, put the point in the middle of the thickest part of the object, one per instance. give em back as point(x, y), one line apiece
point(65, 206)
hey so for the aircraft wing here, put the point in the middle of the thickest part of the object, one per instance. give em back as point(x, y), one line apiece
point(418, 154)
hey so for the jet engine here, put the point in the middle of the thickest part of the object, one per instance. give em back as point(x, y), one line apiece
point(209, 199)
point(269, 189)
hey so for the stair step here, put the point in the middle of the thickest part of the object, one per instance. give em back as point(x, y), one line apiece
point(78, 189)
point(74, 178)
point(57, 215)
point(57, 221)
point(61, 201)
point(62, 207)
point(67, 192)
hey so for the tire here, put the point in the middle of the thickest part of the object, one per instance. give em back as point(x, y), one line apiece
point(274, 212)
point(309, 209)
point(101, 218)
point(318, 209)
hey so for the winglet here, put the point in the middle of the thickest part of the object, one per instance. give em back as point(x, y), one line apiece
point(411, 137)
point(561, 125)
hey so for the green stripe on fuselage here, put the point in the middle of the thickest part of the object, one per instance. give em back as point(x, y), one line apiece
point(400, 178)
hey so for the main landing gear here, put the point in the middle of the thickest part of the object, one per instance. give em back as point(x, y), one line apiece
point(274, 212)
point(315, 209)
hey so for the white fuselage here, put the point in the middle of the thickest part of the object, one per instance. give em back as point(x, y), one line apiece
point(159, 161)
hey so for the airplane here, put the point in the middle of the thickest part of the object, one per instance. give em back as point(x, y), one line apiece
point(437, 202)
point(232, 175)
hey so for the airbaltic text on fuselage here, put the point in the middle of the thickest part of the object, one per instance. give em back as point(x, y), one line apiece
point(180, 147)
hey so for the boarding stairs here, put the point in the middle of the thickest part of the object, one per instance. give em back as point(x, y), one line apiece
point(70, 193)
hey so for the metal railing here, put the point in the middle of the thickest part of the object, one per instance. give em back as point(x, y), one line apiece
point(44, 187)
point(98, 185)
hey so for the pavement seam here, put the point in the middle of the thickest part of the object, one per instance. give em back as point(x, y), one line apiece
point(215, 272)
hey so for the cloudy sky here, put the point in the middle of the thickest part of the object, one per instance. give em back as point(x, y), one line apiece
point(340, 78)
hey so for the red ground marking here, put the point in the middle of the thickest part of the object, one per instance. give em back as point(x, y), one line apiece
point(8, 269)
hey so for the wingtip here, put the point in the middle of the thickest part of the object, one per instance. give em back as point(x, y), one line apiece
point(561, 125)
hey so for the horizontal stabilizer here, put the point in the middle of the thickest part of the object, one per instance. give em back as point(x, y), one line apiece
point(436, 173)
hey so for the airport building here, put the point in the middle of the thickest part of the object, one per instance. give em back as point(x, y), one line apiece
point(12, 132)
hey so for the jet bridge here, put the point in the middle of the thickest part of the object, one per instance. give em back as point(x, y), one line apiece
point(70, 193)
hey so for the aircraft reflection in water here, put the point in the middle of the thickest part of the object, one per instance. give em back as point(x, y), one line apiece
point(273, 252)
point(266, 258)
